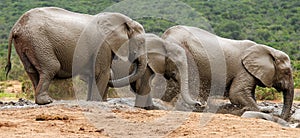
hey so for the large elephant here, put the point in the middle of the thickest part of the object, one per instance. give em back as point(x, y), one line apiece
point(163, 58)
point(45, 40)
point(235, 67)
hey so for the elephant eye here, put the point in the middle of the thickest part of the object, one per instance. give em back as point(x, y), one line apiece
point(278, 60)
point(287, 72)
point(141, 43)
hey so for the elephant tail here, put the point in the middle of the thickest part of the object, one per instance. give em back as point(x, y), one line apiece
point(8, 65)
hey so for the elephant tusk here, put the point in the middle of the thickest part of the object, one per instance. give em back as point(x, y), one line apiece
point(121, 82)
point(200, 105)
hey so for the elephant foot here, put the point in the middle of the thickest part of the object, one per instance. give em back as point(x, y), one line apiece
point(43, 98)
point(96, 98)
point(200, 106)
point(152, 107)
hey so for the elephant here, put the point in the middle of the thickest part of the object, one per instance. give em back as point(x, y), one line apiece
point(163, 58)
point(234, 68)
point(46, 38)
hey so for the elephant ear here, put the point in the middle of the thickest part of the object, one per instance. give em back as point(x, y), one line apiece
point(114, 29)
point(123, 51)
point(259, 61)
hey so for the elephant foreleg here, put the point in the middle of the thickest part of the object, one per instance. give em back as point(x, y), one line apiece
point(93, 91)
point(143, 97)
point(102, 85)
point(90, 88)
point(242, 90)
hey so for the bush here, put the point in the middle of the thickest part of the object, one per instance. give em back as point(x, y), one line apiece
point(267, 94)
point(27, 89)
point(112, 93)
point(297, 98)
point(296, 73)
point(62, 89)
point(7, 95)
point(296, 76)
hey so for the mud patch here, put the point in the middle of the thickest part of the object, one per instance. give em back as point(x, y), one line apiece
point(44, 117)
point(7, 124)
point(139, 115)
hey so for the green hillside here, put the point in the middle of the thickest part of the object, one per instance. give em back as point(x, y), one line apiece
point(274, 22)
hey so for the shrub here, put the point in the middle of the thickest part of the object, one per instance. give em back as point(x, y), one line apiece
point(296, 73)
point(267, 94)
point(27, 89)
point(297, 98)
point(61, 89)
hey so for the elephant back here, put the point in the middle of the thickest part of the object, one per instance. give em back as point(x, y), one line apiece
point(204, 50)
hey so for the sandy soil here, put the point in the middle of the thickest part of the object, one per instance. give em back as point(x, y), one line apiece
point(114, 120)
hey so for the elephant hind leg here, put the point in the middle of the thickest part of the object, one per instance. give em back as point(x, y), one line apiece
point(46, 74)
point(30, 69)
point(41, 94)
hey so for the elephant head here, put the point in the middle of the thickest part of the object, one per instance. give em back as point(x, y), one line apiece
point(133, 50)
point(272, 67)
point(129, 44)
point(102, 39)
point(115, 31)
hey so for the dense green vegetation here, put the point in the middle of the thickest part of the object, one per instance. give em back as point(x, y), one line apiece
point(275, 23)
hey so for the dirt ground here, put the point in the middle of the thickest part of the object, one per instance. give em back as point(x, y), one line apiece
point(71, 120)
point(115, 119)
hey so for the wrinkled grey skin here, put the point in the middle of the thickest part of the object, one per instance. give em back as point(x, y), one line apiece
point(45, 40)
point(260, 115)
point(248, 64)
point(163, 56)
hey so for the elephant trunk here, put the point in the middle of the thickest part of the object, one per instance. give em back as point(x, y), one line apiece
point(184, 87)
point(179, 58)
point(135, 75)
point(288, 96)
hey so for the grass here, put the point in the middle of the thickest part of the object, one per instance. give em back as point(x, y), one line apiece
point(8, 95)
point(297, 98)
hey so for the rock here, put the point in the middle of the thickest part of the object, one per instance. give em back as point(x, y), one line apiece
point(260, 115)
point(296, 116)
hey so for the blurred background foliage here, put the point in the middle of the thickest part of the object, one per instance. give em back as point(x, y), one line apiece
point(274, 23)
